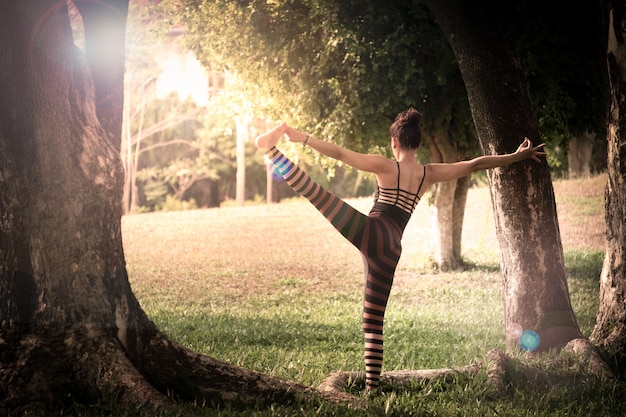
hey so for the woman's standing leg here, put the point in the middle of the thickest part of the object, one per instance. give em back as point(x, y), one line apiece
point(381, 248)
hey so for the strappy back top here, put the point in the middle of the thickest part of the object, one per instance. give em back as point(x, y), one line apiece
point(389, 200)
point(398, 197)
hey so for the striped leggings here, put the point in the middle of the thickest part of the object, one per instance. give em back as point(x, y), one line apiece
point(377, 239)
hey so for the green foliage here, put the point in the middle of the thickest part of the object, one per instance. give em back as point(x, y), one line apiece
point(178, 155)
point(155, 191)
point(171, 144)
point(343, 70)
point(173, 204)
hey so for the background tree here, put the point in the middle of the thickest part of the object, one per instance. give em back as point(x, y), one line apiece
point(155, 127)
point(196, 175)
point(157, 134)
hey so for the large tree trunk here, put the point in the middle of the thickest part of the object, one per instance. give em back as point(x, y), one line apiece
point(610, 330)
point(63, 275)
point(535, 290)
point(70, 326)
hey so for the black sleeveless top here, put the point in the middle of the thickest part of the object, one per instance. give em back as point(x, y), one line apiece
point(396, 203)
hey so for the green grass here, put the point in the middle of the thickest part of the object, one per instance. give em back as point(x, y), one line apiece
point(277, 290)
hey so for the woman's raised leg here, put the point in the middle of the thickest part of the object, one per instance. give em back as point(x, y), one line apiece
point(346, 219)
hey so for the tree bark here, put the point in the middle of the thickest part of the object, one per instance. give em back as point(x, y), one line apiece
point(63, 263)
point(70, 327)
point(449, 203)
point(535, 290)
point(609, 333)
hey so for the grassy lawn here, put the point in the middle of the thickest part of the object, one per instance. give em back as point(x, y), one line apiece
point(276, 289)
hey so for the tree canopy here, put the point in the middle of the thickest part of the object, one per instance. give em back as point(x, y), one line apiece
point(342, 69)
point(345, 69)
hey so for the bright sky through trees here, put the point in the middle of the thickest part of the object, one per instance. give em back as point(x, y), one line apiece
point(182, 73)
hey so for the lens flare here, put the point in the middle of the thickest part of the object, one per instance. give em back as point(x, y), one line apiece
point(529, 340)
point(276, 176)
point(262, 159)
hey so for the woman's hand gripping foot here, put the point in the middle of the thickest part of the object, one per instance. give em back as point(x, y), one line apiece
point(271, 137)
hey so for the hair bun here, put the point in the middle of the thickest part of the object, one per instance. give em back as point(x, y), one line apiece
point(406, 128)
point(412, 116)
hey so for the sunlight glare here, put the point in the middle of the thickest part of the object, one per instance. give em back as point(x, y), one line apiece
point(184, 75)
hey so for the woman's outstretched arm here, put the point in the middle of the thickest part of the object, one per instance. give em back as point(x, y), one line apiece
point(364, 162)
point(448, 172)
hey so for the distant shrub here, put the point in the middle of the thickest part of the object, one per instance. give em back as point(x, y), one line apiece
point(173, 204)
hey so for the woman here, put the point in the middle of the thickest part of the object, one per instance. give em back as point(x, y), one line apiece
point(401, 183)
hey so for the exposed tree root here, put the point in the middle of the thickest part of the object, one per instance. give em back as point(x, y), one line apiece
point(574, 363)
point(587, 353)
point(338, 381)
point(192, 376)
point(83, 364)
point(102, 362)
point(579, 359)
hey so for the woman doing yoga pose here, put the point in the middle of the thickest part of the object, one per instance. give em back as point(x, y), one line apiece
point(401, 183)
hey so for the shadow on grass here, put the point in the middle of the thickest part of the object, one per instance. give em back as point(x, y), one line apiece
point(579, 264)
point(474, 266)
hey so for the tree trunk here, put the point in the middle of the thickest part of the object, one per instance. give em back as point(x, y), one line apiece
point(535, 290)
point(610, 330)
point(458, 216)
point(579, 156)
point(269, 182)
point(214, 197)
point(70, 327)
point(243, 135)
point(449, 198)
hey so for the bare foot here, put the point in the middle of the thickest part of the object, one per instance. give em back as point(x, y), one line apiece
point(271, 137)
